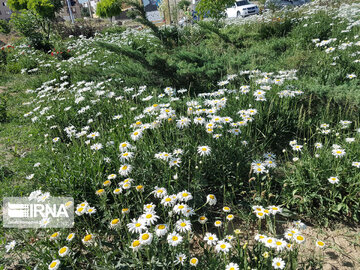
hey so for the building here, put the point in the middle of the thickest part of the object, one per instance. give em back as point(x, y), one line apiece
point(5, 12)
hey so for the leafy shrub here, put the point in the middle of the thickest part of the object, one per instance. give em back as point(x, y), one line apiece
point(4, 27)
point(29, 25)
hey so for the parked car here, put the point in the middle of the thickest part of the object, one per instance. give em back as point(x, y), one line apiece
point(242, 9)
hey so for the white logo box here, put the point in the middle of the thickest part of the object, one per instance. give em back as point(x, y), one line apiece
point(53, 212)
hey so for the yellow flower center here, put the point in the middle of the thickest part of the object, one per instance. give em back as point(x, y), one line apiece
point(181, 207)
point(88, 237)
point(300, 238)
point(193, 261)
point(54, 235)
point(161, 227)
point(115, 221)
point(185, 194)
point(211, 238)
point(53, 264)
point(136, 243)
point(124, 168)
point(175, 238)
point(63, 250)
point(145, 237)
point(223, 246)
point(321, 243)
point(167, 199)
point(149, 216)
point(211, 197)
point(278, 264)
point(183, 224)
point(70, 236)
point(137, 225)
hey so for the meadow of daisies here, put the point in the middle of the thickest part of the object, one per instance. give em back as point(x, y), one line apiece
point(226, 174)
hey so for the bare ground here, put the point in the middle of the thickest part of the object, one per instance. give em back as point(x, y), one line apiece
point(342, 251)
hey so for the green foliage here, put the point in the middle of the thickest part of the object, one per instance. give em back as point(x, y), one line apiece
point(35, 20)
point(85, 12)
point(108, 8)
point(43, 8)
point(5, 172)
point(113, 30)
point(3, 110)
point(30, 25)
point(279, 27)
point(184, 4)
point(4, 27)
point(216, 28)
point(213, 8)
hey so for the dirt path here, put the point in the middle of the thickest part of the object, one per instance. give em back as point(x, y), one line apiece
point(342, 250)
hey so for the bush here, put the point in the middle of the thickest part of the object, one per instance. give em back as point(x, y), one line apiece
point(4, 27)
point(29, 25)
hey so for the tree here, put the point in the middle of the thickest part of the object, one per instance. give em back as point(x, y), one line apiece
point(47, 9)
point(108, 8)
point(213, 8)
point(35, 20)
